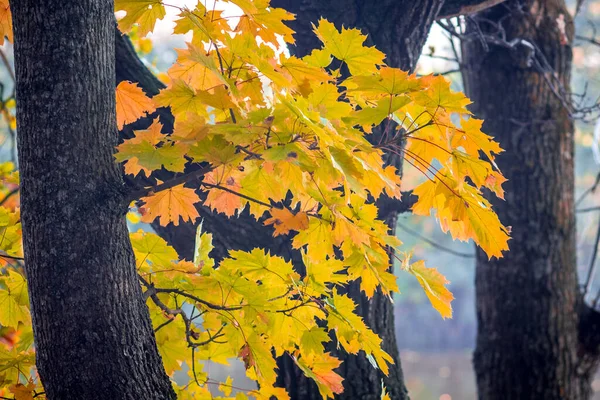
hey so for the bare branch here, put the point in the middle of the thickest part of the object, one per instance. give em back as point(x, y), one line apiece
point(152, 291)
point(454, 8)
point(434, 244)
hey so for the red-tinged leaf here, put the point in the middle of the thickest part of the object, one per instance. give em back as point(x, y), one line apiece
point(494, 182)
point(320, 368)
point(283, 220)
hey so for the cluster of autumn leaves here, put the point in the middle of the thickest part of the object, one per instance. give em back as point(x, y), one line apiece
point(299, 143)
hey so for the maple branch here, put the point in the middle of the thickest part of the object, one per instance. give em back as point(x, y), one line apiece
point(12, 257)
point(190, 176)
point(167, 322)
point(153, 290)
point(243, 196)
point(251, 155)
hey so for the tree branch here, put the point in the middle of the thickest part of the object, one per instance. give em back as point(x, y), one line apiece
point(188, 177)
point(589, 338)
point(454, 8)
point(151, 290)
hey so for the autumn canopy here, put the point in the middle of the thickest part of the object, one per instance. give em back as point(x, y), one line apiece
point(300, 143)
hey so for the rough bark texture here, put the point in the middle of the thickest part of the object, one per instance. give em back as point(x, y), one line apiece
point(529, 343)
point(93, 335)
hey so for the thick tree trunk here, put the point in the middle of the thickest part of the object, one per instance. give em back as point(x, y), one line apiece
point(528, 303)
point(399, 29)
point(93, 335)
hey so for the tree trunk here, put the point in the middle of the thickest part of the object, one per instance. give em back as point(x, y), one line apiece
point(93, 335)
point(399, 29)
point(528, 304)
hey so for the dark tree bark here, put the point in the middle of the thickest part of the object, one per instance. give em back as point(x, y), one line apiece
point(536, 338)
point(93, 335)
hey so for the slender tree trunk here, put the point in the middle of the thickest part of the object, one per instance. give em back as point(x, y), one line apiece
point(93, 335)
point(531, 342)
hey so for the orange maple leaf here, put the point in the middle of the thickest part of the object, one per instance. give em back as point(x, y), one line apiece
point(6, 29)
point(23, 392)
point(170, 205)
point(221, 200)
point(283, 220)
point(132, 103)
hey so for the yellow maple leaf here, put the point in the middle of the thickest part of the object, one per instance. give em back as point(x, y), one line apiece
point(14, 300)
point(472, 139)
point(386, 81)
point(319, 238)
point(143, 12)
point(182, 99)
point(170, 205)
point(433, 283)
point(347, 45)
point(205, 24)
point(132, 103)
point(439, 95)
point(260, 19)
point(464, 165)
point(494, 182)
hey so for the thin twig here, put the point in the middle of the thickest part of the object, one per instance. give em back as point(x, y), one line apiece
point(434, 244)
point(589, 190)
point(592, 267)
point(152, 291)
point(586, 210)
